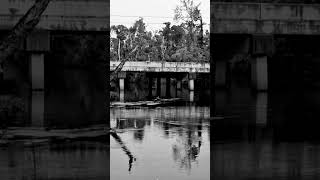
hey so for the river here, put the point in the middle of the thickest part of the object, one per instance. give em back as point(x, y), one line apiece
point(166, 142)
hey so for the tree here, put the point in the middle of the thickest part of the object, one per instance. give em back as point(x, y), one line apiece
point(121, 32)
point(189, 14)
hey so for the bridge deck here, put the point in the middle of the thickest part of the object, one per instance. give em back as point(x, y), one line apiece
point(75, 15)
point(162, 67)
point(265, 18)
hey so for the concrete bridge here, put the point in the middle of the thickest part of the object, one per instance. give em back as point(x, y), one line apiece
point(163, 72)
point(61, 16)
point(256, 30)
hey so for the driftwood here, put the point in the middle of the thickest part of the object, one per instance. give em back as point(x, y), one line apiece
point(22, 29)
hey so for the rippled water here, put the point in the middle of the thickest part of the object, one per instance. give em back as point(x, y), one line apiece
point(166, 143)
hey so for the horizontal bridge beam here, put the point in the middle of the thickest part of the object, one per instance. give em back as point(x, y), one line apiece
point(265, 18)
point(142, 66)
point(75, 15)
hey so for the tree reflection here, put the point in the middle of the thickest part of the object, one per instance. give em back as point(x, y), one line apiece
point(187, 148)
point(188, 143)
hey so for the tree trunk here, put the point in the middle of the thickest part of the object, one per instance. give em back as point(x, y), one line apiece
point(22, 29)
point(113, 75)
point(119, 55)
point(201, 33)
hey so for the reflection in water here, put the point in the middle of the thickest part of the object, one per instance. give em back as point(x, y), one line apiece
point(124, 148)
point(168, 142)
point(270, 136)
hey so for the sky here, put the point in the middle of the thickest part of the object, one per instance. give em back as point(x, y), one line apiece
point(154, 12)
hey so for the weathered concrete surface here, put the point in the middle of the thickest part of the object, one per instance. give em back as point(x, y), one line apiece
point(162, 67)
point(265, 18)
point(75, 15)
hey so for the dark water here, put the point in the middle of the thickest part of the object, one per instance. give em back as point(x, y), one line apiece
point(72, 98)
point(266, 135)
point(166, 142)
point(63, 161)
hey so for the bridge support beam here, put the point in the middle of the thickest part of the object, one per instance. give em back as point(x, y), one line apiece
point(259, 73)
point(121, 77)
point(37, 84)
point(38, 43)
point(178, 87)
point(192, 77)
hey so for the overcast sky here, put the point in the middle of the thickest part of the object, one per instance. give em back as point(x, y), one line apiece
point(160, 10)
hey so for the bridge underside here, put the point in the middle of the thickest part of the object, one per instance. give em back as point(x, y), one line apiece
point(278, 61)
point(273, 43)
point(66, 15)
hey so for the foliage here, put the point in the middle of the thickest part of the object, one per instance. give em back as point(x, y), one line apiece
point(183, 42)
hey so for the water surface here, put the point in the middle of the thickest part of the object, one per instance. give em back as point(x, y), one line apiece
point(166, 142)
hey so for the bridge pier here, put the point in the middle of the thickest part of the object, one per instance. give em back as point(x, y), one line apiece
point(259, 73)
point(192, 77)
point(178, 88)
point(38, 43)
point(121, 77)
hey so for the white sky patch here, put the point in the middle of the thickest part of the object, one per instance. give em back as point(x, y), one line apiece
point(154, 12)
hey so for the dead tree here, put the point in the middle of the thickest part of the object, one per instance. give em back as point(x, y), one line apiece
point(22, 29)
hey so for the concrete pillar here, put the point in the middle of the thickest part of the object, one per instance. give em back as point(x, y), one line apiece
point(191, 84)
point(192, 77)
point(221, 74)
point(37, 71)
point(37, 108)
point(37, 84)
point(121, 77)
point(259, 73)
point(37, 43)
point(121, 86)
point(178, 88)
point(191, 95)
